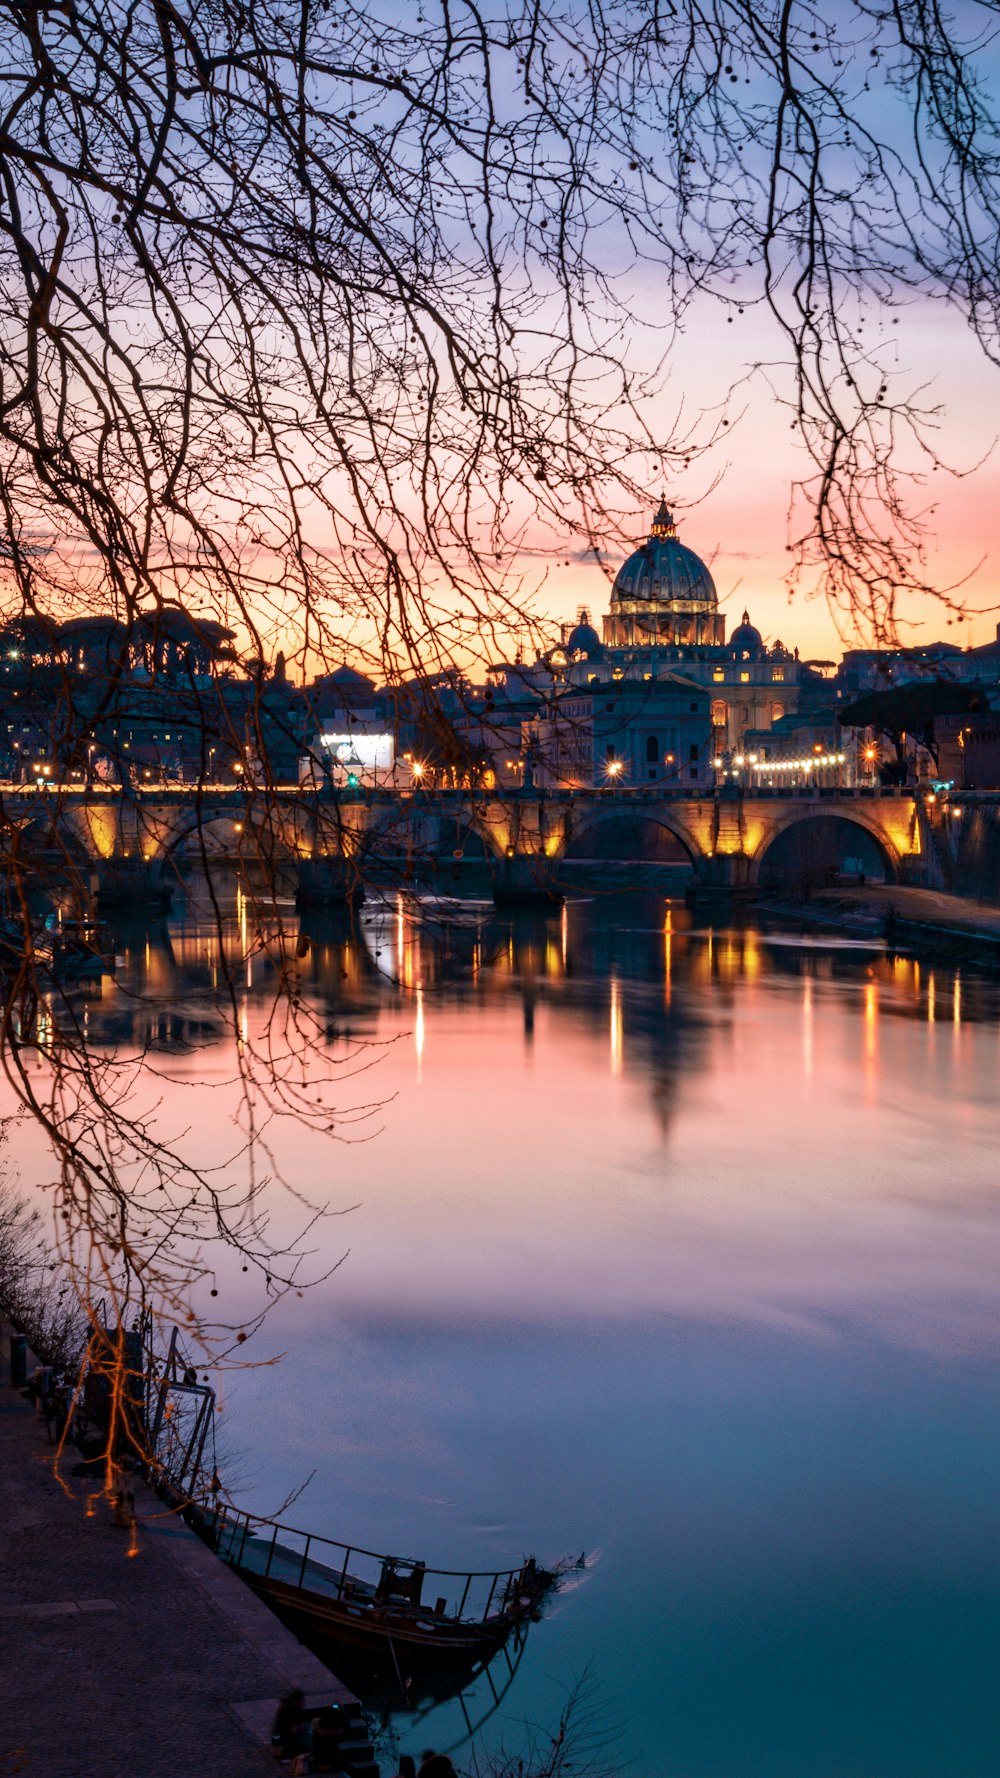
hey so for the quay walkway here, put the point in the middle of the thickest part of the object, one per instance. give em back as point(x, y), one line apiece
point(927, 918)
point(160, 1664)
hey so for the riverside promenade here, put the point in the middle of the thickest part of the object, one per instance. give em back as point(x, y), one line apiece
point(160, 1664)
point(928, 919)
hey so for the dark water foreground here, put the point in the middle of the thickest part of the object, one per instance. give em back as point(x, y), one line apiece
point(676, 1246)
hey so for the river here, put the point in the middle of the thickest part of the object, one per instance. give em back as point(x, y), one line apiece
point(670, 1243)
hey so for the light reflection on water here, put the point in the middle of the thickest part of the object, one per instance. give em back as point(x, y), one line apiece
point(678, 1245)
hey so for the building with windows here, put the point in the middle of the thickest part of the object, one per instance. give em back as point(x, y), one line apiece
point(664, 624)
point(629, 731)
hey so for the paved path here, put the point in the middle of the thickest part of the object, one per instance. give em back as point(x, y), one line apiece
point(866, 909)
point(161, 1665)
point(932, 906)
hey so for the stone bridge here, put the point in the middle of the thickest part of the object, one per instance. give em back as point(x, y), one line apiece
point(133, 839)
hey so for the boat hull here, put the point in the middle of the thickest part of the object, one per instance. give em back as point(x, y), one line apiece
point(368, 1645)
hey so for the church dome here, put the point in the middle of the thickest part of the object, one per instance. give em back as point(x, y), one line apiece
point(663, 571)
point(664, 596)
point(583, 639)
point(746, 642)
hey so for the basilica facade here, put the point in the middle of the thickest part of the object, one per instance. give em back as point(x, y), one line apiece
point(664, 624)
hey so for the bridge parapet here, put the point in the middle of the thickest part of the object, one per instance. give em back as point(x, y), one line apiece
point(725, 837)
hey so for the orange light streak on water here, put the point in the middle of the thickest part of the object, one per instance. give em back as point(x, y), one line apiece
point(871, 1040)
point(616, 1026)
point(807, 1028)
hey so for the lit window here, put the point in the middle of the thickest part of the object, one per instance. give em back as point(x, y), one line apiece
point(778, 674)
point(719, 675)
point(744, 679)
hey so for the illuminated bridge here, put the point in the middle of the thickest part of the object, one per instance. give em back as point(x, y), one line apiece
point(131, 841)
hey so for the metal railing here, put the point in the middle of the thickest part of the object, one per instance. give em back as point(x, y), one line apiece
point(359, 1578)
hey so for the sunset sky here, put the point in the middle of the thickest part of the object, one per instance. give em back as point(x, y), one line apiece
point(739, 526)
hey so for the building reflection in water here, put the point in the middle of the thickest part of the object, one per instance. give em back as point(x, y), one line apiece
point(632, 964)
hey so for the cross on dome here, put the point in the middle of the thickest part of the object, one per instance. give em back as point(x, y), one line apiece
point(663, 524)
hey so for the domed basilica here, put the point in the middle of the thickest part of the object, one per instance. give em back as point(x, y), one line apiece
point(664, 631)
point(661, 697)
point(664, 595)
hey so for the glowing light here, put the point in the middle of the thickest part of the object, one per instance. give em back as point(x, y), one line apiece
point(418, 1033)
point(807, 1026)
point(616, 1026)
point(417, 769)
point(871, 1032)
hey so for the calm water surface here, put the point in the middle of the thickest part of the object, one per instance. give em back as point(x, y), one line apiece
point(675, 1246)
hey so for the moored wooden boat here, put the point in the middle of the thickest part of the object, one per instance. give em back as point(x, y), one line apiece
point(425, 1630)
point(384, 1608)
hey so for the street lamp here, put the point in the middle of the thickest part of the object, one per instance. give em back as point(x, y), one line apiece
point(614, 770)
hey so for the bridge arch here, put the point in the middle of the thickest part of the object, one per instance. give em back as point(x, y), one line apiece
point(47, 849)
point(820, 844)
point(430, 836)
point(208, 827)
point(626, 835)
point(275, 825)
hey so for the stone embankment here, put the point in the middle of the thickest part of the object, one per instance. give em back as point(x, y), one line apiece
point(127, 1654)
point(951, 927)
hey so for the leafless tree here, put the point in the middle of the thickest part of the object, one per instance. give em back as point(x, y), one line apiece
point(587, 1741)
point(308, 309)
point(36, 1296)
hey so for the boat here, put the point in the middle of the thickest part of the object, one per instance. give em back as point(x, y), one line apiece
point(75, 951)
point(386, 1609)
point(378, 1616)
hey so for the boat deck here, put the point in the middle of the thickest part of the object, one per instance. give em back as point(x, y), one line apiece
point(361, 1582)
